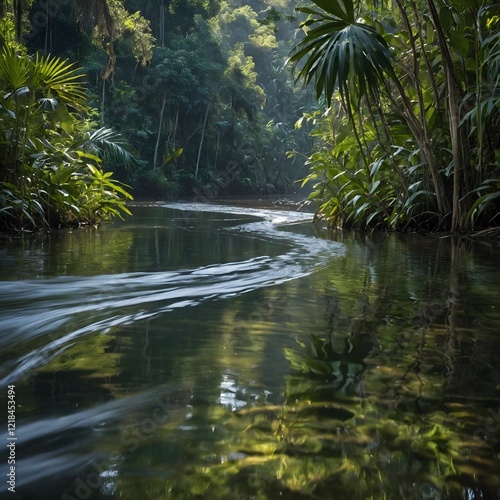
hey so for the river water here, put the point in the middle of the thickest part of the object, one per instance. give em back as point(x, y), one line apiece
point(216, 351)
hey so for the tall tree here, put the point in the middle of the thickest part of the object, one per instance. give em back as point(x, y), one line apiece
point(97, 13)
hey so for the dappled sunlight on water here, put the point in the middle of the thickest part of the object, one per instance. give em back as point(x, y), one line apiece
point(221, 352)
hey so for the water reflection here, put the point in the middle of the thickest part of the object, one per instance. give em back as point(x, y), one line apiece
point(226, 357)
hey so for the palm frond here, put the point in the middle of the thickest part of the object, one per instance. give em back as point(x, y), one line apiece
point(63, 78)
point(342, 9)
point(14, 70)
point(110, 146)
point(339, 55)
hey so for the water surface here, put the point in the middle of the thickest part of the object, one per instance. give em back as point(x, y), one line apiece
point(202, 351)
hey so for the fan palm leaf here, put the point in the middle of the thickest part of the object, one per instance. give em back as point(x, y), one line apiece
point(62, 78)
point(341, 54)
point(14, 70)
point(46, 76)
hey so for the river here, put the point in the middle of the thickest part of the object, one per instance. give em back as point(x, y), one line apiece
point(218, 351)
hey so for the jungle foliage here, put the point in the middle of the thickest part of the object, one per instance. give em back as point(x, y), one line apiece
point(405, 134)
point(411, 134)
point(198, 90)
point(50, 171)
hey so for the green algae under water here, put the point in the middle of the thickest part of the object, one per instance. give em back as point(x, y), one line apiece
point(231, 353)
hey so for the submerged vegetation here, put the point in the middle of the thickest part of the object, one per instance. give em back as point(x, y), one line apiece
point(374, 378)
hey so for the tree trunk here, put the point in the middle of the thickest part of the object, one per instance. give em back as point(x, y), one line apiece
point(162, 25)
point(155, 158)
point(453, 105)
point(18, 18)
point(216, 151)
point(103, 98)
point(427, 151)
point(456, 219)
point(419, 126)
point(175, 127)
point(201, 140)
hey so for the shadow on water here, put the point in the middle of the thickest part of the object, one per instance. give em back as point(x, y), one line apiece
point(216, 352)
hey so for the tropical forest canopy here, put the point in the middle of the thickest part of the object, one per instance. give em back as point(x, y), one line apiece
point(197, 98)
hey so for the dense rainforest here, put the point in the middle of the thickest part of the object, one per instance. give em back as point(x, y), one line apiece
point(197, 98)
point(175, 98)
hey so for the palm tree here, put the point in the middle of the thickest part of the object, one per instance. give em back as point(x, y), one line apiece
point(49, 163)
point(37, 92)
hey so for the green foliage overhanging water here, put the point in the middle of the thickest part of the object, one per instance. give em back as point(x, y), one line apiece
point(410, 138)
point(50, 174)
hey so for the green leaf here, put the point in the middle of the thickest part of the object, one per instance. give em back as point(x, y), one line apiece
point(374, 187)
point(88, 156)
point(14, 70)
point(372, 216)
point(480, 205)
point(350, 57)
point(459, 42)
point(111, 145)
point(342, 9)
